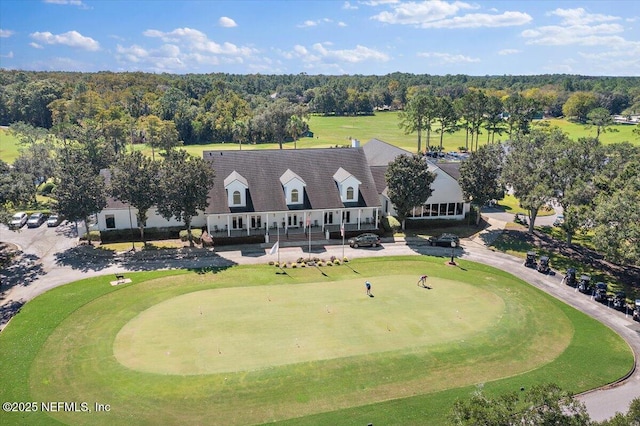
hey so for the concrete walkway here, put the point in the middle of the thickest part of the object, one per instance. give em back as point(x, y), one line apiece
point(76, 263)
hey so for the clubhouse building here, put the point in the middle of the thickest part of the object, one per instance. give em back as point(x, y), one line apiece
point(283, 193)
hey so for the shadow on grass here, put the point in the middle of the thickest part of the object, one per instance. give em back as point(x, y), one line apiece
point(209, 269)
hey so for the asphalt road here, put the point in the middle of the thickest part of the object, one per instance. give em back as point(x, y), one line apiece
point(51, 257)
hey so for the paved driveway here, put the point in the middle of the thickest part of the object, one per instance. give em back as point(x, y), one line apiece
point(51, 257)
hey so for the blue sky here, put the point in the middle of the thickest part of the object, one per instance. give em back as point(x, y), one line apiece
point(323, 37)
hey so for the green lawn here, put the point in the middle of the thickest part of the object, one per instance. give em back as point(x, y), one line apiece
point(8, 146)
point(332, 131)
point(180, 347)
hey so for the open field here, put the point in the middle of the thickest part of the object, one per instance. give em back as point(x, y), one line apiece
point(332, 131)
point(246, 345)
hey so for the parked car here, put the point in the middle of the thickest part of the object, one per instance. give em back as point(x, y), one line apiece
point(559, 220)
point(364, 240)
point(570, 278)
point(54, 220)
point(530, 261)
point(36, 219)
point(543, 265)
point(444, 240)
point(18, 220)
point(584, 286)
point(600, 294)
point(521, 219)
point(636, 311)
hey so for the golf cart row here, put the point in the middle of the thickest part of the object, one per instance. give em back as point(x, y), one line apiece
point(541, 265)
point(599, 292)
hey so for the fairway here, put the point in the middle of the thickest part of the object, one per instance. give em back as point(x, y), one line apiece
point(236, 329)
point(250, 344)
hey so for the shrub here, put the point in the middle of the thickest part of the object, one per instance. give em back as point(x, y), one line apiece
point(320, 264)
point(329, 264)
point(276, 264)
point(303, 265)
point(196, 233)
point(300, 260)
point(294, 265)
point(390, 224)
point(333, 258)
point(47, 188)
point(271, 262)
point(336, 261)
point(345, 260)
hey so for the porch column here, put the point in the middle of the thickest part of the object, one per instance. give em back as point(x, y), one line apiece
point(267, 224)
point(248, 226)
point(324, 212)
point(359, 214)
point(228, 225)
point(376, 219)
point(286, 224)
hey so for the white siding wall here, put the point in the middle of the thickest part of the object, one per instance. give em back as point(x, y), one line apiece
point(154, 220)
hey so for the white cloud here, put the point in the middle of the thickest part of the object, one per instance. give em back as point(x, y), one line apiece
point(504, 52)
point(36, 45)
point(8, 55)
point(478, 20)
point(198, 41)
point(448, 58)
point(6, 33)
point(227, 22)
point(580, 16)
point(70, 38)
point(359, 54)
point(66, 2)
point(578, 27)
point(441, 14)
point(342, 24)
point(414, 13)
point(308, 23)
point(167, 58)
point(379, 2)
point(348, 6)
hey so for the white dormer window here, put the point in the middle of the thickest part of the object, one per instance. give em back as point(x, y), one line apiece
point(236, 186)
point(350, 193)
point(293, 187)
point(348, 185)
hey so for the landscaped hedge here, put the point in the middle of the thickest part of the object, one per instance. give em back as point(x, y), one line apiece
point(196, 234)
point(151, 234)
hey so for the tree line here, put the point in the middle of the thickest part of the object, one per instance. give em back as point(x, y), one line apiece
point(597, 186)
point(254, 108)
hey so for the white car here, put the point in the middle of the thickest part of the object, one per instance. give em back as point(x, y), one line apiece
point(559, 220)
point(18, 220)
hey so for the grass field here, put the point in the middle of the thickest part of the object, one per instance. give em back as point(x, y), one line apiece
point(332, 131)
point(246, 345)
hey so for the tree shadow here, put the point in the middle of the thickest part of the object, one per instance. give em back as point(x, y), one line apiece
point(85, 258)
point(23, 270)
point(9, 310)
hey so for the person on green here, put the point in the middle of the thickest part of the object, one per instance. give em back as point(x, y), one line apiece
point(367, 284)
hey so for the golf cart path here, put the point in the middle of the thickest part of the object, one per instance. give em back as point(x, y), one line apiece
point(84, 262)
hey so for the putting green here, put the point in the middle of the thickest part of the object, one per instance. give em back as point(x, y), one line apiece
point(243, 328)
point(402, 356)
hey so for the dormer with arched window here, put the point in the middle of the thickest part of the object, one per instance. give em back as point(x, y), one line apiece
point(236, 186)
point(348, 185)
point(293, 187)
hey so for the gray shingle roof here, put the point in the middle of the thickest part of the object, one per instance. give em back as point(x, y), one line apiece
point(381, 153)
point(263, 168)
